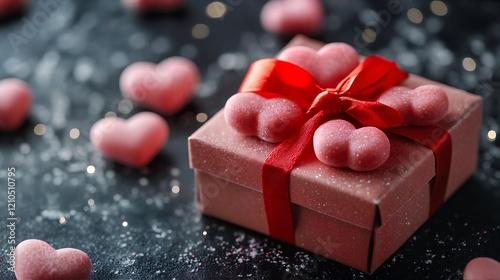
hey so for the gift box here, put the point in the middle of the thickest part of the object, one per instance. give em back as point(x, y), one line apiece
point(356, 218)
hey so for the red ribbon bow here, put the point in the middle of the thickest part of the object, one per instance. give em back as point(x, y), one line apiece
point(354, 96)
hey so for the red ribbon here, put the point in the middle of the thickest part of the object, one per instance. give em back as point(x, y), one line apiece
point(354, 96)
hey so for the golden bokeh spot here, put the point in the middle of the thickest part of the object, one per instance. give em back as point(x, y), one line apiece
point(439, 8)
point(415, 15)
point(110, 114)
point(74, 133)
point(40, 129)
point(202, 117)
point(90, 169)
point(469, 64)
point(176, 189)
point(492, 135)
point(200, 31)
point(369, 35)
point(216, 9)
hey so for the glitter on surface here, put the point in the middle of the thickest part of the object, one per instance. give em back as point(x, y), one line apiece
point(73, 62)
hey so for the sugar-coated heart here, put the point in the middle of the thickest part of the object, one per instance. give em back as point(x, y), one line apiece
point(152, 5)
point(9, 6)
point(292, 16)
point(15, 103)
point(164, 88)
point(134, 142)
point(271, 120)
point(37, 260)
point(338, 143)
point(328, 66)
point(482, 269)
point(422, 106)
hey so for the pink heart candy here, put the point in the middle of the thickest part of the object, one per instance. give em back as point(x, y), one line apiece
point(422, 106)
point(37, 260)
point(290, 17)
point(338, 143)
point(134, 142)
point(482, 269)
point(328, 66)
point(164, 88)
point(10, 6)
point(152, 5)
point(15, 103)
point(271, 120)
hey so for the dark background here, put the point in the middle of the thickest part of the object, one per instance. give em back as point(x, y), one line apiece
point(130, 222)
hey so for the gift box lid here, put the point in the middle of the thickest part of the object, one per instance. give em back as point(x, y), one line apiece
point(360, 198)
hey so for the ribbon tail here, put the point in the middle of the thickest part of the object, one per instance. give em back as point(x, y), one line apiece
point(276, 179)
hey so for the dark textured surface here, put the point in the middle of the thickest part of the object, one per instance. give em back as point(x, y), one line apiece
point(72, 58)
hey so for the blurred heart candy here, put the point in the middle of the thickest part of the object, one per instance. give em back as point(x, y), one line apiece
point(483, 269)
point(164, 88)
point(271, 120)
point(290, 17)
point(9, 6)
point(134, 142)
point(37, 260)
point(328, 66)
point(422, 106)
point(152, 5)
point(338, 143)
point(15, 102)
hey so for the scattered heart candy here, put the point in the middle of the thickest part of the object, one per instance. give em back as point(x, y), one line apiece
point(153, 5)
point(290, 17)
point(338, 143)
point(482, 269)
point(271, 120)
point(37, 260)
point(328, 66)
point(15, 102)
point(422, 106)
point(10, 6)
point(134, 142)
point(164, 88)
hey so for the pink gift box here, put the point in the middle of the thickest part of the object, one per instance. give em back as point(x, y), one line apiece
point(356, 218)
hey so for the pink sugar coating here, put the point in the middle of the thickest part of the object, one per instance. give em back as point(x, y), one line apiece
point(483, 269)
point(241, 112)
point(9, 6)
point(271, 120)
point(152, 5)
point(164, 88)
point(279, 119)
point(15, 102)
point(134, 142)
point(37, 260)
point(422, 106)
point(328, 66)
point(338, 143)
point(292, 16)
